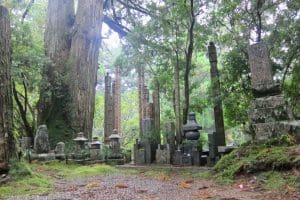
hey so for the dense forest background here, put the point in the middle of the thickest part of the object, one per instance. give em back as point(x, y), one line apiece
point(169, 40)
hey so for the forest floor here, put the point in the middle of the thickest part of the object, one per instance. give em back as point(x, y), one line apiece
point(145, 183)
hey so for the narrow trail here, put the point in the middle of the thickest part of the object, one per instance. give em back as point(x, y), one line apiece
point(144, 187)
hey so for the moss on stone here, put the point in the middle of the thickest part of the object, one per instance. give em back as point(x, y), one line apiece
point(255, 157)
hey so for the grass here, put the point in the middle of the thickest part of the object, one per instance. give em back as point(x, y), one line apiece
point(278, 181)
point(31, 179)
point(74, 171)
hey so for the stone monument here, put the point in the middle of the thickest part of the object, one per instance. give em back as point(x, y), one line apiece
point(41, 140)
point(60, 151)
point(269, 112)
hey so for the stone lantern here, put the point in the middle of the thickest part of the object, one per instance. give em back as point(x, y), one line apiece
point(80, 141)
point(115, 143)
point(191, 146)
point(95, 150)
point(96, 144)
point(191, 128)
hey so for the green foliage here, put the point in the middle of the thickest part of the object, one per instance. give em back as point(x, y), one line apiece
point(19, 169)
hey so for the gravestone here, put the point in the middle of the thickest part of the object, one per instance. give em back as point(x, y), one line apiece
point(41, 140)
point(269, 112)
point(60, 151)
point(213, 149)
point(169, 138)
point(163, 154)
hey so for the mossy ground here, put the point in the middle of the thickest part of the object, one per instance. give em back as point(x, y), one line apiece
point(276, 156)
point(30, 179)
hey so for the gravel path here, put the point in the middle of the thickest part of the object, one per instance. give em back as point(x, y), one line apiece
point(127, 187)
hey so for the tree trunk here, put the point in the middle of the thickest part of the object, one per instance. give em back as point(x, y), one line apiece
point(177, 102)
point(6, 137)
point(83, 63)
point(68, 89)
point(216, 93)
point(188, 62)
point(54, 102)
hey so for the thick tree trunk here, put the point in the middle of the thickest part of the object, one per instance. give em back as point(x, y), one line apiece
point(216, 92)
point(68, 89)
point(54, 103)
point(6, 138)
point(83, 63)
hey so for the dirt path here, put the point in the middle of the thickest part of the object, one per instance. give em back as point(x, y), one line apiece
point(140, 186)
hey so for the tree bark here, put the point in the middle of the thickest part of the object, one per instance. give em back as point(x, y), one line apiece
point(68, 89)
point(216, 93)
point(177, 101)
point(188, 62)
point(83, 63)
point(54, 102)
point(6, 137)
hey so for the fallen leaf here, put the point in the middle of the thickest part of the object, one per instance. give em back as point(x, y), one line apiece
point(189, 181)
point(164, 178)
point(121, 186)
point(203, 194)
point(184, 185)
point(92, 184)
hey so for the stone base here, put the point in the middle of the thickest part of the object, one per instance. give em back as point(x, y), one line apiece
point(139, 157)
point(269, 109)
point(163, 155)
point(43, 156)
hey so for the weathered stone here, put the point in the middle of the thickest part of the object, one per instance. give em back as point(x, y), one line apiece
point(213, 147)
point(60, 150)
point(216, 93)
point(196, 157)
point(163, 154)
point(115, 145)
point(43, 156)
point(261, 70)
point(178, 157)
point(41, 140)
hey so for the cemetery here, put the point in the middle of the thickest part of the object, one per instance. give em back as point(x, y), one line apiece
point(149, 99)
